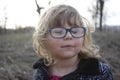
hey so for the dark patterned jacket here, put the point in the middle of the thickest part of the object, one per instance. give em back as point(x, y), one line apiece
point(88, 69)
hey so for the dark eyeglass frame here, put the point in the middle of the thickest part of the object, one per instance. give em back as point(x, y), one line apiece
point(67, 30)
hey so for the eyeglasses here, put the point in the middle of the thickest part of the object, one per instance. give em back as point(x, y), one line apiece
point(61, 32)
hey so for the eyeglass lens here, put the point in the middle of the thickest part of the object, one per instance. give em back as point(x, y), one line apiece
point(59, 32)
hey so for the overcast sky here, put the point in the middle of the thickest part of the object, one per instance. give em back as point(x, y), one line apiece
point(23, 12)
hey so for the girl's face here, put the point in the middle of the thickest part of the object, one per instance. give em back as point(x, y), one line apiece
point(64, 48)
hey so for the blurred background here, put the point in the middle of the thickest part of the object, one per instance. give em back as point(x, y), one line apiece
point(18, 19)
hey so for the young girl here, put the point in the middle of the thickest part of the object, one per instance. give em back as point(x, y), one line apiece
point(64, 45)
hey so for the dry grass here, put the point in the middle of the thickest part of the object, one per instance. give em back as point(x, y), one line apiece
point(16, 56)
point(109, 42)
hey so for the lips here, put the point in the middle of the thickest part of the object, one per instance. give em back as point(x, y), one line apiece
point(67, 46)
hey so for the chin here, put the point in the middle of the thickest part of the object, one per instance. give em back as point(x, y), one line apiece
point(68, 55)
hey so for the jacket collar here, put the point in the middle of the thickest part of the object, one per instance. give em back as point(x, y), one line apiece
point(38, 64)
point(89, 66)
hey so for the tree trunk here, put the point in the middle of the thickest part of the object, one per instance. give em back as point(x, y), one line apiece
point(101, 13)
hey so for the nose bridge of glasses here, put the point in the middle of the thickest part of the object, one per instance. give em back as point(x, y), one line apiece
point(68, 32)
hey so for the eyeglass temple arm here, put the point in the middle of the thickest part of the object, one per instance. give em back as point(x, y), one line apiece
point(38, 7)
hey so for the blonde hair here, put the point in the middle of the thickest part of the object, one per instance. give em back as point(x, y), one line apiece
point(58, 16)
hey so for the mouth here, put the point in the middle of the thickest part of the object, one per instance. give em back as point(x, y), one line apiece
point(67, 46)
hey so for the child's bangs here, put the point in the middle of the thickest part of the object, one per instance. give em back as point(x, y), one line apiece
point(68, 19)
point(64, 19)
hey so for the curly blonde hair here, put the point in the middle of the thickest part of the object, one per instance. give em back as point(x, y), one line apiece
point(58, 16)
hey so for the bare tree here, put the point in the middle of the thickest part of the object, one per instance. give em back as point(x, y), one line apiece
point(38, 7)
point(5, 20)
point(98, 12)
point(95, 11)
point(101, 5)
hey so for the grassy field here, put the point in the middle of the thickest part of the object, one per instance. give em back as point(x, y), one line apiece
point(17, 54)
point(109, 42)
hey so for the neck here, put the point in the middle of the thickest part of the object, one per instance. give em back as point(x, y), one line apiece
point(64, 66)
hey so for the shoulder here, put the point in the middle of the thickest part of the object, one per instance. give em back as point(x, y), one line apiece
point(93, 68)
point(105, 71)
point(37, 74)
point(41, 72)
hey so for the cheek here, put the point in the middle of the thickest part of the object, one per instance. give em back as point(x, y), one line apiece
point(79, 43)
point(52, 43)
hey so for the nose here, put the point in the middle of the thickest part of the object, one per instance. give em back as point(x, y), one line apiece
point(68, 36)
